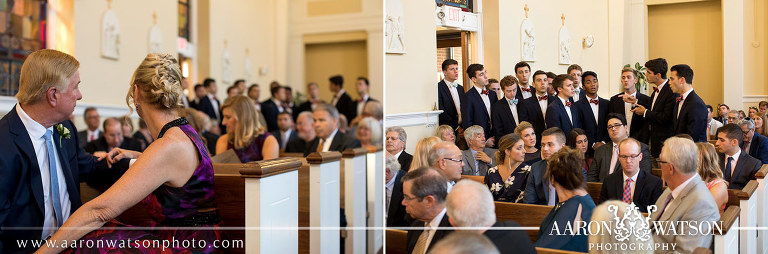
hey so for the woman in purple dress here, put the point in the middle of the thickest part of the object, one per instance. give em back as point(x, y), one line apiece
point(245, 134)
point(173, 178)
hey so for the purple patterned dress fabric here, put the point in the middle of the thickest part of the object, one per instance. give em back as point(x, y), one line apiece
point(253, 151)
point(192, 205)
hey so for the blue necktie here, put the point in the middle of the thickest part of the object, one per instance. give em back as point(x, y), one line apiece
point(54, 179)
point(513, 102)
point(728, 169)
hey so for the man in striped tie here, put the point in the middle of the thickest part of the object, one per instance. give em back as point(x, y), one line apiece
point(631, 185)
point(424, 193)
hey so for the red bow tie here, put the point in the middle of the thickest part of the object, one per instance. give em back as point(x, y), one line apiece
point(567, 103)
point(595, 101)
point(485, 91)
point(542, 98)
point(655, 89)
point(679, 98)
point(526, 89)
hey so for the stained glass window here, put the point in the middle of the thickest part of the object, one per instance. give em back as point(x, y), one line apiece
point(22, 31)
point(184, 12)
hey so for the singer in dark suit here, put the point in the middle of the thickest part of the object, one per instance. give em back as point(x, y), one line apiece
point(474, 110)
point(445, 97)
point(593, 125)
point(343, 102)
point(507, 112)
point(533, 105)
point(620, 104)
point(659, 116)
point(557, 111)
point(692, 116)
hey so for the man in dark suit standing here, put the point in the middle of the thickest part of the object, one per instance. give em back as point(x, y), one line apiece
point(305, 133)
point(395, 146)
point(92, 120)
point(341, 100)
point(327, 129)
point(536, 106)
point(476, 109)
point(285, 131)
point(424, 192)
point(209, 104)
point(507, 113)
point(606, 160)
point(272, 107)
point(395, 211)
point(561, 112)
point(754, 144)
point(450, 96)
point(738, 167)
point(593, 111)
point(630, 184)
point(523, 73)
point(362, 86)
point(538, 189)
point(313, 93)
point(690, 111)
point(659, 116)
point(623, 103)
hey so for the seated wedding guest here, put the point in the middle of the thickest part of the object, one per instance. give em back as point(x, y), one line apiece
point(761, 124)
point(210, 138)
point(395, 146)
point(606, 159)
point(686, 198)
point(630, 184)
point(371, 109)
point(574, 203)
point(712, 124)
point(143, 135)
point(424, 192)
point(712, 175)
point(394, 211)
point(343, 124)
point(285, 131)
point(328, 137)
point(538, 189)
point(445, 133)
point(471, 206)
point(421, 154)
point(313, 99)
point(464, 243)
point(113, 138)
point(127, 124)
point(738, 167)
point(477, 159)
point(507, 179)
point(369, 133)
point(603, 214)
point(577, 139)
point(249, 139)
point(526, 132)
point(197, 122)
point(182, 187)
point(446, 157)
point(754, 144)
point(752, 112)
point(92, 132)
point(305, 132)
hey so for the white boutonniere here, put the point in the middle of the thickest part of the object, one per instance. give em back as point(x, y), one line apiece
point(63, 132)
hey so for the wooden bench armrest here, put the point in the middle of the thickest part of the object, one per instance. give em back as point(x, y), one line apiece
point(479, 179)
point(397, 241)
point(728, 218)
point(735, 196)
point(762, 172)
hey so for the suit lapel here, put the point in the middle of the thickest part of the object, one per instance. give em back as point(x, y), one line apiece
point(469, 159)
point(639, 184)
point(675, 203)
point(25, 146)
point(64, 162)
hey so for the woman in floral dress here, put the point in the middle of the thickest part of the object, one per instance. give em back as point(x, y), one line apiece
point(507, 180)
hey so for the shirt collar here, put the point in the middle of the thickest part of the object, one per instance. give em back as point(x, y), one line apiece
point(479, 90)
point(735, 155)
point(448, 83)
point(436, 221)
point(590, 98)
point(341, 91)
point(676, 191)
point(561, 100)
point(397, 155)
point(330, 137)
point(35, 129)
point(391, 182)
point(634, 177)
point(685, 95)
point(633, 94)
point(663, 84)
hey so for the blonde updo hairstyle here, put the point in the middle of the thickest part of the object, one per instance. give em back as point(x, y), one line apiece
point(158, 80)
point(248, 125)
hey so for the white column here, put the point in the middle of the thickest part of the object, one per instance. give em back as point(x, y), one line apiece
point(354, 198)
point(324, 202)
point(748, 218)
point(762, 214)
point(733, 52)
point(375, 168)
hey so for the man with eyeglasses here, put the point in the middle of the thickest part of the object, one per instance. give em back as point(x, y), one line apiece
point(395, 146)
point(446, 157)
point(754, 144)
point(424, 194)
point(632, 185)
point(738, 167)
point(606, 159)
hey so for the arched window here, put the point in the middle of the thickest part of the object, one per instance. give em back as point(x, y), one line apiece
point(22, 31)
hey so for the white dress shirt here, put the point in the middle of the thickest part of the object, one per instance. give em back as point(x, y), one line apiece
point(454, 95)
point(567, 109)
point(215, 105)
point(433, 225)
point(361, 105)
point(526, 95)
point(685, 95)
point(631, 185)
point(735, 157)
point(595, 108)
point(628, 111)
point(328, 141)
point(543, 105)
point(713, 126)
point(577, 94)
point(336, 97)
point(36, 132)
point(513, 108)
point(92, 135)
point(653, 103)
point(486, 100)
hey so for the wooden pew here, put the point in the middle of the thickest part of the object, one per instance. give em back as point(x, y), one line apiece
point(746, 199)
point(762, 209)
point(324, 202)
point(594, 189)
point(554, 251)
point(727, 241)
point(353, 183)
point(375, 198)
point(479, 179)
point(525, 214)
point(656, 172)
point(397, 241)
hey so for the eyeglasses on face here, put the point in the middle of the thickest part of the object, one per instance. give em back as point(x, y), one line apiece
point(392, 138)
point(612, 127)
point(454, 160)
point(408, 198)
point(633, 156)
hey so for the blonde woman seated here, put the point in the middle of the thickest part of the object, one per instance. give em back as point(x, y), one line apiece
point(710, 172)
point(507, 179)
point(526, 132)
point(609, 212)
point(369, 132)
point(445, 133)
point(421, 156)
point(249, 139)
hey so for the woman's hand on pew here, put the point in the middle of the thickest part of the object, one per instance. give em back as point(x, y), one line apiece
point(118, 154)
point(100, 155)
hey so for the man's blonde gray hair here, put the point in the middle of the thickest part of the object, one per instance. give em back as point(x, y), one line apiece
point(42, 70)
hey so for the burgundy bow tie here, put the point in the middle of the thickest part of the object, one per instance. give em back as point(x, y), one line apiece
point(655, 89)
point(526, 89)
point(542, 98)
point(679, 98)
point(595, 101)
point(567, 103)
point(485, 91)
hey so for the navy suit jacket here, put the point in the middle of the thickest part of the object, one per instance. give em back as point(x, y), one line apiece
point(758, 147)
point(659, 117)
point(537, 186)
point(206, 106)
point(413, 235)
point(692, 119)
point(638, 121)
point(744, 170)
point(270, 111)
point(648, 188)
point(339, 143)
point(346, 106)
point(596, 131)
point(445, 103)
point(396, 215)
point(473, 110)
point(21, 188)
point(502, 118)
point(557, 116)
point(276, 134)
point(535, 116)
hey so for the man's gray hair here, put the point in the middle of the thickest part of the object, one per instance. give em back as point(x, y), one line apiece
point(470, 132)
point(400, 132)
point(682, 153)
point(306, 114)
point(748, 122)
point(427, 182)
point(392, 164)
point(439, 151)
point(470, 204)
point(460, 242)
point(328, 108)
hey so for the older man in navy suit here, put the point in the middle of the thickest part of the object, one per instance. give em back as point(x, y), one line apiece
point(42, 163)
point(478, 100)
point(562, 113)
point(754, 144)
point(690, 111)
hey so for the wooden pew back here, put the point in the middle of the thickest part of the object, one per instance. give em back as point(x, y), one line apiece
point(594, 189)
point(479, 179)
point(525, 214)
